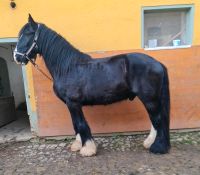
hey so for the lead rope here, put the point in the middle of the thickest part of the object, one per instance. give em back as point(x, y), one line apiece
point(40, 70)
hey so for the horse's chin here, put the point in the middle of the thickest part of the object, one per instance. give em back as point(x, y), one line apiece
point(24, 63)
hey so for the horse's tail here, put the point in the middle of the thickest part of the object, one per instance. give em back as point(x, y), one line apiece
point(165, 105)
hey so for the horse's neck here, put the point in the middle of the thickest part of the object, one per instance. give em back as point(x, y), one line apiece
point(58, 59)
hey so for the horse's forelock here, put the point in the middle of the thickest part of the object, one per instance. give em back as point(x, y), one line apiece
point(22, 30)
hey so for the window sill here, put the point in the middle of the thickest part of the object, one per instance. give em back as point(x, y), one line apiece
point(169, 47)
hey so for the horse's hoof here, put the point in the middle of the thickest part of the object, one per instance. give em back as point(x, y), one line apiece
point(89, 149)
point(159, 147)
point(76, 146)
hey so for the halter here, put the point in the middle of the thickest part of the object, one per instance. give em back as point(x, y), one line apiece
point(34, 45)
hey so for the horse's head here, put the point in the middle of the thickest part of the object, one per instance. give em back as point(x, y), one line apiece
point(26, 49)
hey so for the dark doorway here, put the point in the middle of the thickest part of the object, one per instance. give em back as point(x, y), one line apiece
point(14, 119)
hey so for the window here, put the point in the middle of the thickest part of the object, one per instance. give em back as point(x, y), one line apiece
point(167, 27)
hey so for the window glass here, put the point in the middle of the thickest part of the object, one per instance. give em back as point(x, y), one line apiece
point(165, 28)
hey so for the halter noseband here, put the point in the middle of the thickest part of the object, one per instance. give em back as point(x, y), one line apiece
point(34, 44)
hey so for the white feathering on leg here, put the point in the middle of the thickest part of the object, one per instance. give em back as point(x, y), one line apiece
point(151, 138)
point(89, 149)
point(77, 144)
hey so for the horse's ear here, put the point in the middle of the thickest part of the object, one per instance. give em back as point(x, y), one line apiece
point(31, 21)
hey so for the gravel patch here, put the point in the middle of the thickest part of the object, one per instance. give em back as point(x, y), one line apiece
point(116, 155)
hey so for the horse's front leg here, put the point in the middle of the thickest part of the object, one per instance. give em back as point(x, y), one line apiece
point(84, 141)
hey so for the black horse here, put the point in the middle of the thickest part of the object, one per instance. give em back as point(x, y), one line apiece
point(79, 80)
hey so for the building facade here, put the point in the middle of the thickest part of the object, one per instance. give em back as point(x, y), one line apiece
point(167, 30)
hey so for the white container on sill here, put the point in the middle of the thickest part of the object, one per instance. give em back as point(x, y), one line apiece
point(176, 42)
point(152, 43)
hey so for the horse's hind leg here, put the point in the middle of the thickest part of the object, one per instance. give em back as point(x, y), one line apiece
point(84, 141)
point(157, 104)
point(158, 140)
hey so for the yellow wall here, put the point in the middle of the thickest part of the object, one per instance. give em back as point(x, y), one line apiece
point(90, 25)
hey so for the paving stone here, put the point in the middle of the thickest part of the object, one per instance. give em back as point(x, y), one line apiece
point(62, 144)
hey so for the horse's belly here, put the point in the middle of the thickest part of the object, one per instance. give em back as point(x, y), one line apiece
point(106, 92)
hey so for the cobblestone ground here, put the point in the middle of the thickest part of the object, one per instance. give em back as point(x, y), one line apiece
point(116, 155)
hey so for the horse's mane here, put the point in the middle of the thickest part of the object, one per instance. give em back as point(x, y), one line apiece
point(58, 53)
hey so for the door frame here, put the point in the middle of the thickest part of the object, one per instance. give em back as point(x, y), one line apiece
point(29, 89)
